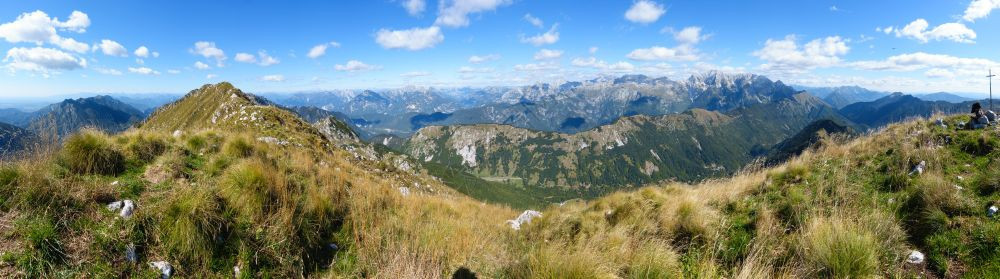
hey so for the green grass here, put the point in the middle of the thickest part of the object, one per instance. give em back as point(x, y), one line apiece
point(840, 249)
point(90, 152)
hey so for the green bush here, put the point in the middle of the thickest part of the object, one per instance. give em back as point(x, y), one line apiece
point(91, 152)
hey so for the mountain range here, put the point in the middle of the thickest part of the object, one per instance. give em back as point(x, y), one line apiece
point(222, 182)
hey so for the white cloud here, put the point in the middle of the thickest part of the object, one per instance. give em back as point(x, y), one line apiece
point(261, 59)
point(273, 78)
point(320, 49)
point(645, 12)
point(980, 9)
point(107, 71)
point(659, 53)
point(37, 27)
point(266, 60)
point(476, 59)
point(953, 31)
point(201, 66)
point(548, 54)
point(785, 54)
point(208, 50)
point(140, 61)
point(474, 70)
point(414, 7)
point(410, 39)
point(939, 73)
point(886, 30)
point(415, 74)
point(834, 9)
point(591, 62)
point(42, 60)
point(142, 51)
point(534, 20)
point(592, 50)
point(536, 67)
point(156, 54)
point(245, 58)
point(211, 76)
point(173, 72)
point(690, 35)
point(921, 60)
point(355, 66)
point(143, 71)
point(112, 48)
point(547, 38)
point(455, 13)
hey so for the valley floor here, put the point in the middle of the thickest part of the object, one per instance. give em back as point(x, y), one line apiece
point(218, 204)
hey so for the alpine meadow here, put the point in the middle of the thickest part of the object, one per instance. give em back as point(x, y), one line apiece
point(499, 139)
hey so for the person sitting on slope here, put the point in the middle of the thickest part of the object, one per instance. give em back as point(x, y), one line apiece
point(979, 119)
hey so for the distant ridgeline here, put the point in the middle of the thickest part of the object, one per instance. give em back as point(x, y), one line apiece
point(634, 150)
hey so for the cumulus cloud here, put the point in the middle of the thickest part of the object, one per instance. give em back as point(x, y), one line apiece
point(547, 38)
point(645, 12)
point(410, 39)
point(355, 66)
point(548, 54)
point(414, 7)
point(685, 51)
point(261, 59)
point(211, 76)
point(41, 60)
point(980, 9)
point(112, 48)
point(273, 78)
point(690, 35)
point(201, 66)
point(245, 58)
point(415, 74)
point(786, 55)
point(591, 62)
point(320, 49)
point(534, 20)
point(476, 59)
point(142, 51)
point(455, 13)
point(38, 28)
point(659, 53)
point(143, 71)
point(266, 60)
point(208, 50)
point(917, 30)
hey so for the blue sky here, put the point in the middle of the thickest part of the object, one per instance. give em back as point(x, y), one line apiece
point(66, 47)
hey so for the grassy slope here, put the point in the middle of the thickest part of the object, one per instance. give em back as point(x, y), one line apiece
point(847, 210)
